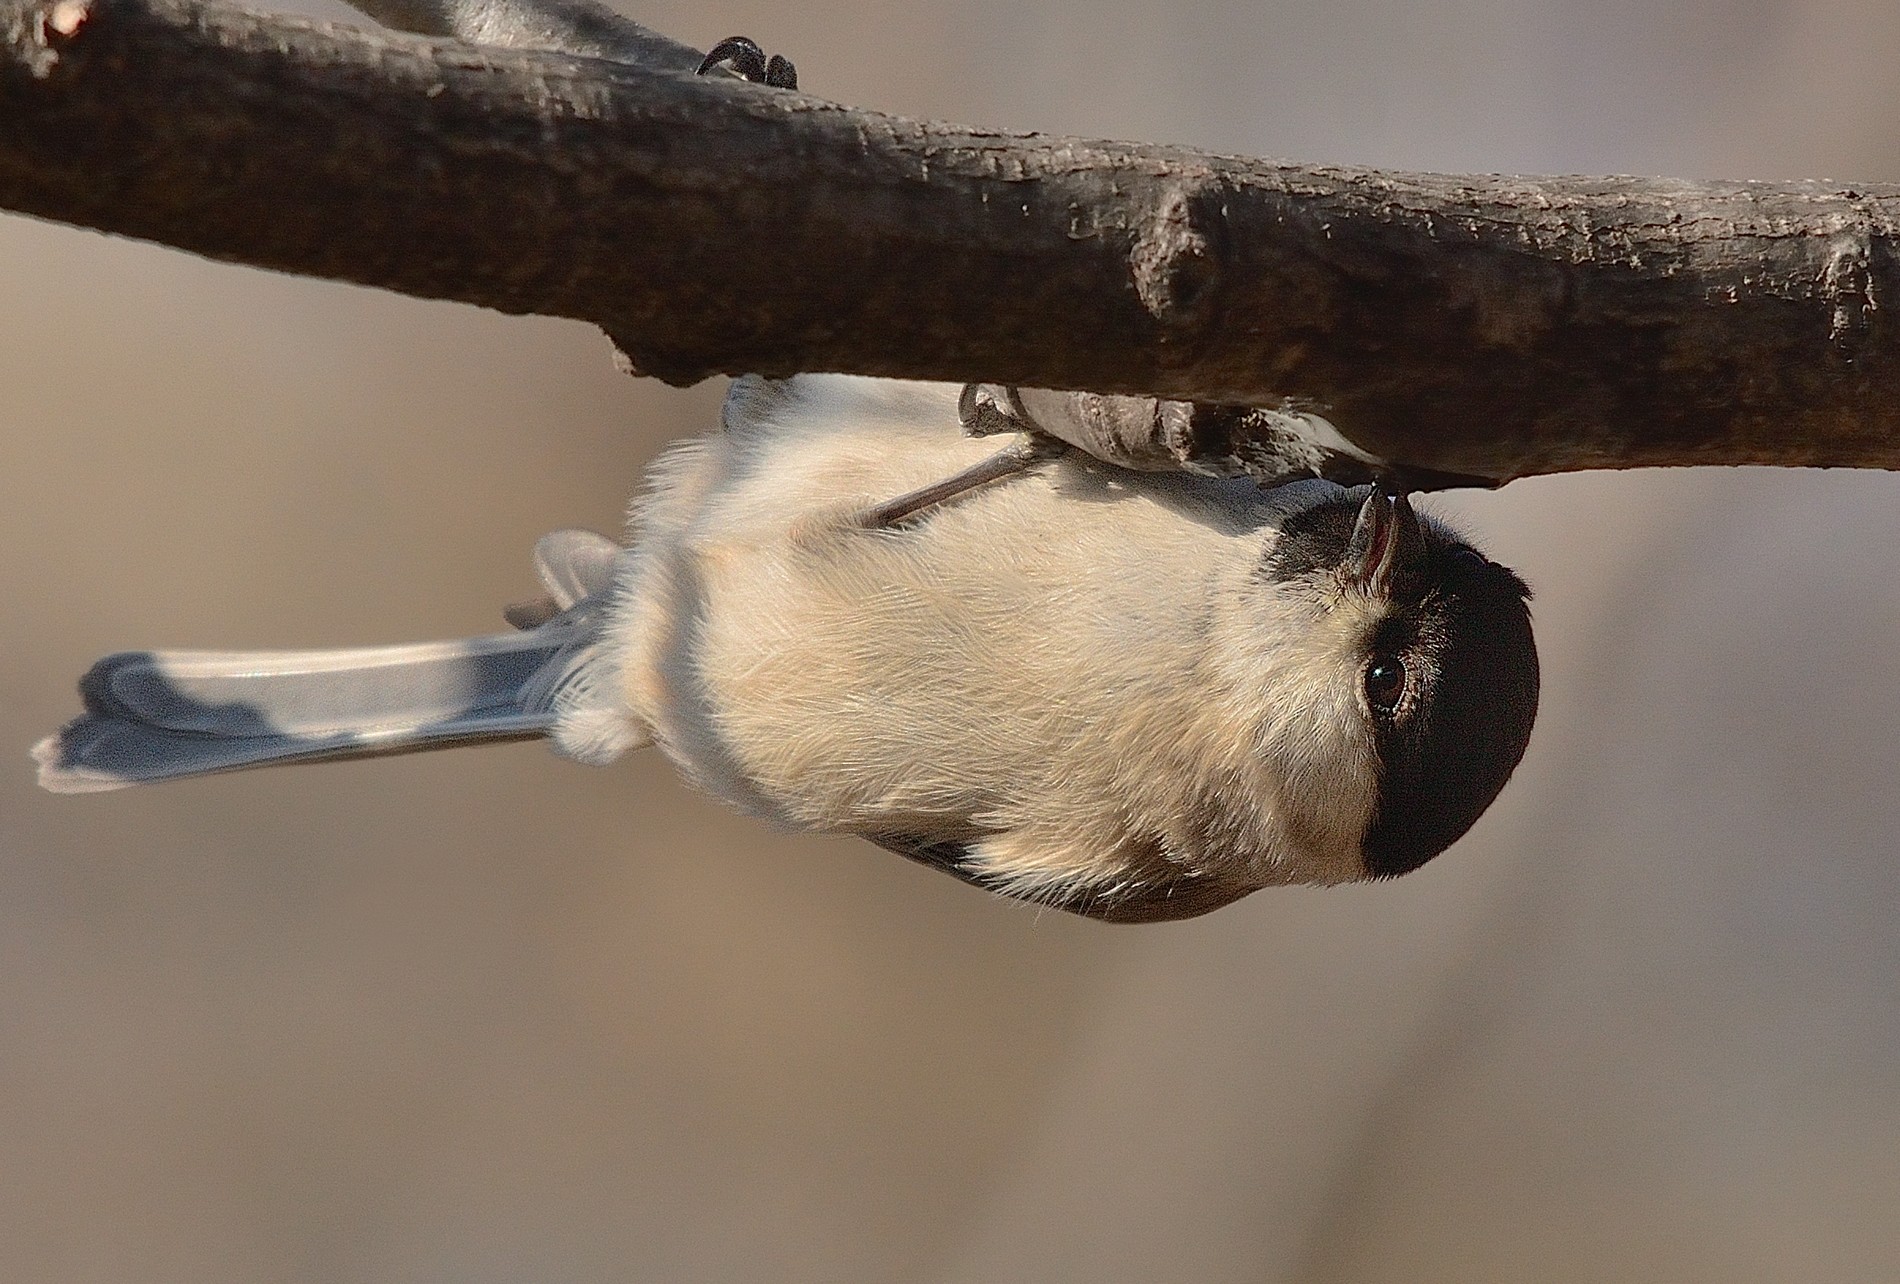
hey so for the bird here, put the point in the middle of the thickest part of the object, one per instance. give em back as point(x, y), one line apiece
point(1133, 696)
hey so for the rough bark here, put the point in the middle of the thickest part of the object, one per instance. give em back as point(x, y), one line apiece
point(1489, 326)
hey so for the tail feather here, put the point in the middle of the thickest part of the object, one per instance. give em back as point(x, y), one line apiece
point(159, 715)
point(573, 566)
point(92, 755)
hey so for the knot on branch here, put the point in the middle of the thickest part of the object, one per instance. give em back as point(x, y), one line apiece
point(52, 27)
point(1179, 257)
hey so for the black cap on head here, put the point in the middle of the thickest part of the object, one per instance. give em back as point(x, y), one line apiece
point(1444, 759)
point(1461, 629)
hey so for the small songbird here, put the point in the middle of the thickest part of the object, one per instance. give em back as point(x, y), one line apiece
point(1135, 696)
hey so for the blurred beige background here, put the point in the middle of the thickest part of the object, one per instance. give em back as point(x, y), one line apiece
point(488, 1016)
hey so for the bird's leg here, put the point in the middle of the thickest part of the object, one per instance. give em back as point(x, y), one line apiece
point(984, 411)
point(1016, 458)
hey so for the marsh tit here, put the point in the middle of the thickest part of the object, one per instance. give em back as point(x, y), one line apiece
point(1134, 696)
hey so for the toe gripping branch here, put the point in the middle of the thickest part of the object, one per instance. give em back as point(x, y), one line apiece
point(1149, 434)
point(749, 62)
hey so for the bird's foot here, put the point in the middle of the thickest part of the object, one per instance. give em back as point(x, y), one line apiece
point(749, 62)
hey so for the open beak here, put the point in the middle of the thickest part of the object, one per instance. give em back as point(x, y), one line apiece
point(1386, 542)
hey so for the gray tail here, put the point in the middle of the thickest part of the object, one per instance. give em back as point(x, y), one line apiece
point(161, 715)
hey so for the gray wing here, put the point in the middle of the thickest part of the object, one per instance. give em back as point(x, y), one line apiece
point(1184, 897)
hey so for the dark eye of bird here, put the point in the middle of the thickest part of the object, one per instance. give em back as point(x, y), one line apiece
point(1385, 683)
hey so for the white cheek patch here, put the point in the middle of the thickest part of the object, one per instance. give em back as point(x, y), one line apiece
point(1312, 726)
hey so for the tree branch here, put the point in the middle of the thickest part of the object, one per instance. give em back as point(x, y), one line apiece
point(1486, 326)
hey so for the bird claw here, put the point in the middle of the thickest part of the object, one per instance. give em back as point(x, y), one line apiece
point(749, 62)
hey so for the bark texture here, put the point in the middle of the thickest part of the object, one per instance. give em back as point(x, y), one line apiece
point(1490, 326)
